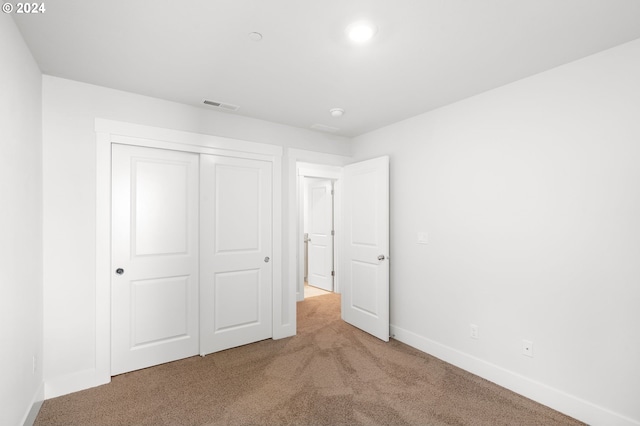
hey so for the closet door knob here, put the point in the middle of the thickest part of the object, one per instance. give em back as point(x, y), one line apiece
point(381, 257)
point(266, 259)
point(119, 271)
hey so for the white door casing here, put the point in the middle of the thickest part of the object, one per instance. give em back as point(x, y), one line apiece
point(154, 305)
point(320, 214)
point(365, 296)
point(236, 251)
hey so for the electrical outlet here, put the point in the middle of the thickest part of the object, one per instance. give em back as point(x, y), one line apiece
point(474, 331)
point(527, 348)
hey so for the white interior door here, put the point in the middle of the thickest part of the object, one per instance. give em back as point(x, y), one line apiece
point(365, 295)
point(236, 234)
point(320, 214)
point(154, 285)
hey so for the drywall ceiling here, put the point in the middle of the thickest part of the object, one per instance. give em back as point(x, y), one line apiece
point(426, 53)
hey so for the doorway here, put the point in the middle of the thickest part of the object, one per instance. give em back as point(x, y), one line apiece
point(361, 238)
point(318, 222)
point(318, 189)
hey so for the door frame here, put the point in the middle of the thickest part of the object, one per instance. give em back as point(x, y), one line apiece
point(109, 132)
point(333, 173)
point(294, 245)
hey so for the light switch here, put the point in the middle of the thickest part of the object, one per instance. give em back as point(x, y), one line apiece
point(423, 238)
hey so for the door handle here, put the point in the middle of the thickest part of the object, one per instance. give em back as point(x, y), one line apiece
point(381, 257)
point(266, 259)
point(119, 271)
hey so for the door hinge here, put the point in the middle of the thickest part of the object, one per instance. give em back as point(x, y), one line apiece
point(333, 233)
point(333, 273)
point(332, 192)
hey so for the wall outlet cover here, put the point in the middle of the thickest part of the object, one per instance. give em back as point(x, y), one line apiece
point(475, 333)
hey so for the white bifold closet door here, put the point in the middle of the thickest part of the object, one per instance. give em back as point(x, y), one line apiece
point(191, 247)
point(235, 264)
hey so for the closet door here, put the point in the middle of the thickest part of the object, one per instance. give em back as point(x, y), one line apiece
point(235, 251)
point(154, 284)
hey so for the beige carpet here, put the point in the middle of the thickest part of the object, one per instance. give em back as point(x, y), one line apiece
point(329, 374)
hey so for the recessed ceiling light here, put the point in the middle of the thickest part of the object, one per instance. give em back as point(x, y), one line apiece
point(361, 31)
point(255, 36)
point(336, 112)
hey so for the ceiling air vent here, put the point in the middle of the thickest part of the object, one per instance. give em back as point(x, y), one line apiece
point(221, 105)
point(324, 128)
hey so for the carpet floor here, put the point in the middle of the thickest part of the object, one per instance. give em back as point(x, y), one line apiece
point(329, 374)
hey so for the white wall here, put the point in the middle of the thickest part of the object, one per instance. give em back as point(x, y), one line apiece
point(530, 194)
point(69, 168)
point(20, 227)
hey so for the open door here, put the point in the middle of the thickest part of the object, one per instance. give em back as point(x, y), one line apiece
point(365, 296)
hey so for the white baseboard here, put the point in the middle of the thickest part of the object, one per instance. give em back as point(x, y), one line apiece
point(36, 403)
point(75, 382)
point(558, 400)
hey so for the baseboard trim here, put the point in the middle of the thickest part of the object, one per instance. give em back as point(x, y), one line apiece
point(558, 400)
point(74, 382)
point(36, 404)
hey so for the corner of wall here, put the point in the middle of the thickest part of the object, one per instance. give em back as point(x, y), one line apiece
point(36, 404)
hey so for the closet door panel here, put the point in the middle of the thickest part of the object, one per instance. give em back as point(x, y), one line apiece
point(236, 244)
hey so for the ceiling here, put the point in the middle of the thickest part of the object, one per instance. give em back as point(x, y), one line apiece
point(426, 53)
